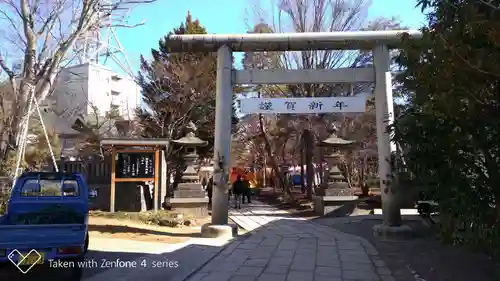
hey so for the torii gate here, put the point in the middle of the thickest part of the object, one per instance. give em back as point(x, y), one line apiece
point(224, 44)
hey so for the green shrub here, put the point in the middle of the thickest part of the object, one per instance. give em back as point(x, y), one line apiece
point(161, 219)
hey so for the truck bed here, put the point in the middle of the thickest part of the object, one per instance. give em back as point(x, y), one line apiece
point(43, 236)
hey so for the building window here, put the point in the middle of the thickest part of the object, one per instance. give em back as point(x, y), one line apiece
point(115, 93)
point(114, 110)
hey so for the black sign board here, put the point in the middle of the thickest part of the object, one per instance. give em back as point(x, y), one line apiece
point(135, 165)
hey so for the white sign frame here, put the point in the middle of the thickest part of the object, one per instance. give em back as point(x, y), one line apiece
point(311, 105)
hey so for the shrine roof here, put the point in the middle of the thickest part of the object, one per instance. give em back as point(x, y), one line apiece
point(133, 142)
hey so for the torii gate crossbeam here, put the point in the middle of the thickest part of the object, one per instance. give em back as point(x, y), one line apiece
point(380, 42)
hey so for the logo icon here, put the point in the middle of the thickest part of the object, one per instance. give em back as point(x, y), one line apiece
point(33, 256)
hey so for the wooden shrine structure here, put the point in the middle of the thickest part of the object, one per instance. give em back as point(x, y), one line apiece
point(135, 160)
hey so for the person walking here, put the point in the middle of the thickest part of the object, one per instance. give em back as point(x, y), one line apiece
point(204, 183)
point(210, 186)
point(238, 188)
point(246, 191)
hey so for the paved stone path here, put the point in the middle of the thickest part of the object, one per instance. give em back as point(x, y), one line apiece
point(254, 215)
point(278, 248)
point(281, 248)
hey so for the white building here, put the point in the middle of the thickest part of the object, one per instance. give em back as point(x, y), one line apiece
point(83, 89)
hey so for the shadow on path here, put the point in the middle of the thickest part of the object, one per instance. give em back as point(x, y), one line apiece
point(111, 266)
point(94, 263)
point(420, 254)
point(295, 249)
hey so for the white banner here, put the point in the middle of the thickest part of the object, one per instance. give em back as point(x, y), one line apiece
point(303, 105)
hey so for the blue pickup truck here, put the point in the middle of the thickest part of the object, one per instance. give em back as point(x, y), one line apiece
point(46, 219)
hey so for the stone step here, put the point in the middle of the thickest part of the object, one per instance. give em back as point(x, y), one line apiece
point(339, 191)
point(189, 186)
point(189, 194)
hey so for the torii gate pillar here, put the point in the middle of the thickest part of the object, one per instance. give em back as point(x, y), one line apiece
point(222, 146)
point(384, 111)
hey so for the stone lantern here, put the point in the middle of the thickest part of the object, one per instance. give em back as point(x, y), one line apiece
point(335, 182)
point(335, 192)
point(189, 197)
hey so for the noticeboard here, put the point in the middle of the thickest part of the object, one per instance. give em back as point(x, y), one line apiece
point(135, 165)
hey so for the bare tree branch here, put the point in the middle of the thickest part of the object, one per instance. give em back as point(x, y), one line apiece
point(490, 4)
point(43, 34)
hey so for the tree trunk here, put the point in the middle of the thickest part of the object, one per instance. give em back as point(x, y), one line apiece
point(362, 177)
point(302, 172)
point(264, 174)
point(274, 163)
point(321, 168)
point(308, 141)
point(347, 174)
point(283, 155)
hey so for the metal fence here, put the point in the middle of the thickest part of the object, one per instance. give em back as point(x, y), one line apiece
point(95, 172)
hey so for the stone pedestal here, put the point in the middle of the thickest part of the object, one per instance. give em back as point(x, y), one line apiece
point(386, 232)
point(334, 205)
point(193, 206)
point(219, 231)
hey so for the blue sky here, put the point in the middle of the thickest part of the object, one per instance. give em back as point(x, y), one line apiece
point(223, 16)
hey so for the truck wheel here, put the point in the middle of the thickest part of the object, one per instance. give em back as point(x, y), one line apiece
point(86, 246)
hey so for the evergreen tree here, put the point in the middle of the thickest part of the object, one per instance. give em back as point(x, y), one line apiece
point(449, 129)
point(178, 88)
